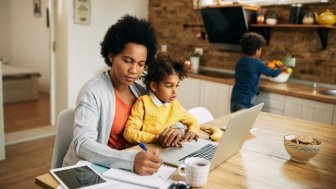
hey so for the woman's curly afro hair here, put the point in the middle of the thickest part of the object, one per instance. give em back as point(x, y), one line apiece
point(161, 67)
point(129, 29)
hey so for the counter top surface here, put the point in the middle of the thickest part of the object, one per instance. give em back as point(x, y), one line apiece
point(289, 88)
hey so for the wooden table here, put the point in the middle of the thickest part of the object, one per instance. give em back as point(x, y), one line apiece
point(263, 161)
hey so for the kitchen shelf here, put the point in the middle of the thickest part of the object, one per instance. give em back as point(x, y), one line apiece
point(225, 5)
point(322, 30)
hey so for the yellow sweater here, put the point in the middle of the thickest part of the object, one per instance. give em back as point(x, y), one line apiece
point(148, 120)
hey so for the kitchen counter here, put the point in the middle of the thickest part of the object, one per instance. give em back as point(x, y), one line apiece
point(289, 88)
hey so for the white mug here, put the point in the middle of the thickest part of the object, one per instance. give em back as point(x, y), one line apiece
point(196, 171)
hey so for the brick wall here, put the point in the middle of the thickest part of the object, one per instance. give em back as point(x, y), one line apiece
point(312, 63)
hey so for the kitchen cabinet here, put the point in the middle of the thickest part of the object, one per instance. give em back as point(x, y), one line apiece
point(215, 97)
point(273, 103)
point(189, 93)
point(309, 110)
point(211, 95)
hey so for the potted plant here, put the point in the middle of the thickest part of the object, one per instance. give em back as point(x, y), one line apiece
point(195, 57)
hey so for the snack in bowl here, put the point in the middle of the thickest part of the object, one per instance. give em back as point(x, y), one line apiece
point(301, 148)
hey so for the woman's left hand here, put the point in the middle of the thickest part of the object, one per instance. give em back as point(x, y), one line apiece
point(170, 137)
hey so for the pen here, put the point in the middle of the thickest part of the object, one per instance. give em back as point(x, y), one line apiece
point(143, 146)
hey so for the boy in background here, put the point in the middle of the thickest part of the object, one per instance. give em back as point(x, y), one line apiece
point(248, 70)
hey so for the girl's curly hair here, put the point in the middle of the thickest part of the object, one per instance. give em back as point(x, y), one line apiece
point(251, 42)
point(129, 29)
point(161, 67)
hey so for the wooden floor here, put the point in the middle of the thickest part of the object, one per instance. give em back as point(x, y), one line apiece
point(27, 115)
point(24, 162)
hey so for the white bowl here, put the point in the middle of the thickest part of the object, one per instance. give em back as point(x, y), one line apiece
point(301, 153)
point(271, 21)
point(281, 78)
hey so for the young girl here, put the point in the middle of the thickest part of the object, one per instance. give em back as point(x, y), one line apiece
point(153, 113)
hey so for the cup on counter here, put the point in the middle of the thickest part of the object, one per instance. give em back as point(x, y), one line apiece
point(195, 171)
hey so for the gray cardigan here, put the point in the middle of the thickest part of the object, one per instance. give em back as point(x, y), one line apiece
point(94, 114)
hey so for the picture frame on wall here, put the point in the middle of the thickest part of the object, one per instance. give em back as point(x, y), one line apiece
point(82, 12)
point(37, 8)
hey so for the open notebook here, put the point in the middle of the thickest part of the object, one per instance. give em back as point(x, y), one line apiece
point(156, 180)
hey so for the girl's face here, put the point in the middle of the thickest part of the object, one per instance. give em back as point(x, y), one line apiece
point(167, 89)
point(128, 65)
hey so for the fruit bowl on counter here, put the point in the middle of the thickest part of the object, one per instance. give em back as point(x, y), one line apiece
point(281, 78)
point(284, 75)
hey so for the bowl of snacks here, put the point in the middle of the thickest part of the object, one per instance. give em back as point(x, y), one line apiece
point(301, 148)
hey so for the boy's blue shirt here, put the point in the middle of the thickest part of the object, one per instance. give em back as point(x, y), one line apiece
point(247, 76)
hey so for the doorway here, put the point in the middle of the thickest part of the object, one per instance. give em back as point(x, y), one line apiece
point(29, 48)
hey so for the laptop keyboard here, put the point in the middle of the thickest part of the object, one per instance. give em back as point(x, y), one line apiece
point(206, 152)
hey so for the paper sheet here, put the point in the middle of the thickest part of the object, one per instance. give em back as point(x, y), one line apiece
point(157, 180)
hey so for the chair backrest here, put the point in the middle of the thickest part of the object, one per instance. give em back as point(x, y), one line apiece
point(201, 114)
point(64, 135)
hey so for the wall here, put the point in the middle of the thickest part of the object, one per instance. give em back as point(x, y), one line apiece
point(5, 37)
point(313, 63)
point(25, 38)
point(78, 46)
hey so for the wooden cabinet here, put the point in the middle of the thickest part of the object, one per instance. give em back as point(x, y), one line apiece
point(273, 103)
point(309, 110)
point(211, 95)
point(215, 97)
point(189, 93)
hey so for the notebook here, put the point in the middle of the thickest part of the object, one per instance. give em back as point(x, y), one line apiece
point(156, 180)
point(234, 136)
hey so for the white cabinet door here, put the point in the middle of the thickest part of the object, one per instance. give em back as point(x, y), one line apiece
point(189, 93)
point(309, 110)
point(273, 103)
point(215, 97)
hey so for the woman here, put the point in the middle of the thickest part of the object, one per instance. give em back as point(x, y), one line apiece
point(104, 103)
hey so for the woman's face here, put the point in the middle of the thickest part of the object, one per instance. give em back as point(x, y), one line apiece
point(167, 89)
point(128, 65)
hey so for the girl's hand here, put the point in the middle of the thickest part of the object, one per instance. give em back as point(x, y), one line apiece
point(147, 163)
point(170, 137)
point(190, 136)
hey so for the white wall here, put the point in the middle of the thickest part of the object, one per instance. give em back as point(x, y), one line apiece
point(5, 36)
point(78, 46)
point(24, 38)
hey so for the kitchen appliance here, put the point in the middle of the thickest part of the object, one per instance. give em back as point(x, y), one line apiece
point(226, 25)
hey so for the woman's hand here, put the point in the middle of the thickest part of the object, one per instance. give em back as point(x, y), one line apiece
point(170, 137)
point(147, 163)
point(190, 136)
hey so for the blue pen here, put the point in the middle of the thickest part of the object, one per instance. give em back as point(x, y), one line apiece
point(143, 146)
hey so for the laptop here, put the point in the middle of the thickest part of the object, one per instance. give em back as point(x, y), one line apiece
point(234, 136)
